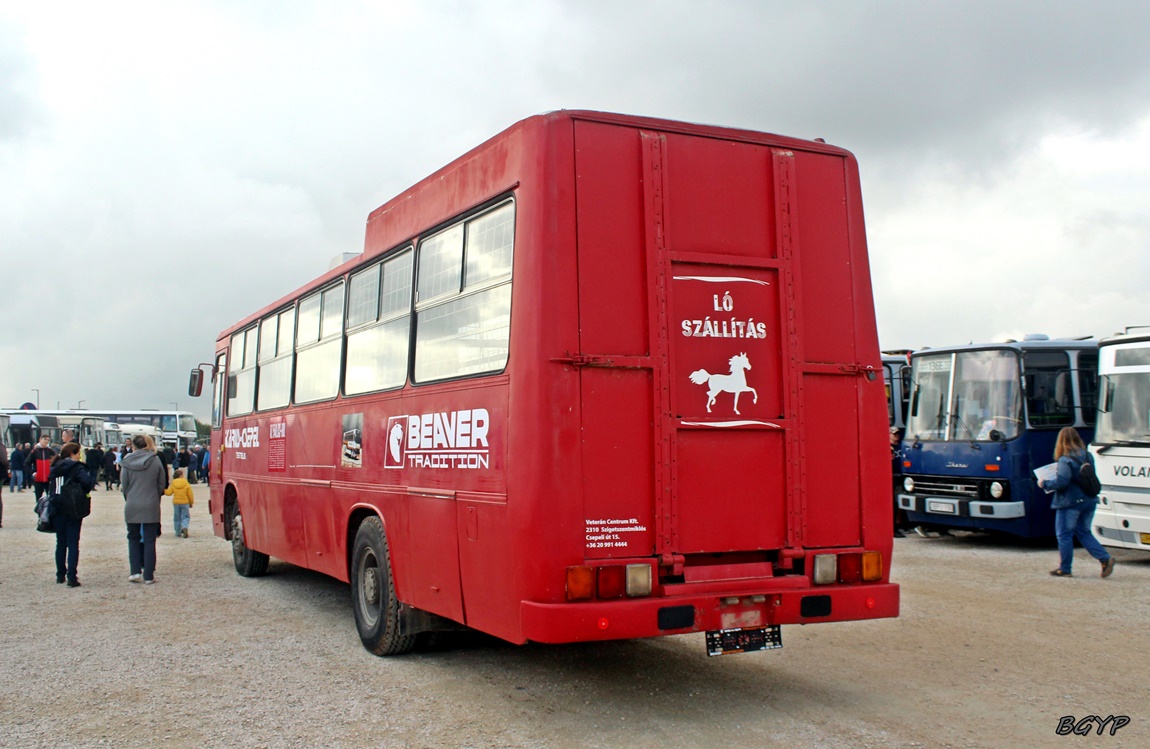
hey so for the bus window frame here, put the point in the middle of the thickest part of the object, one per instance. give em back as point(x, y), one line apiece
point(382, 318)
point(465, 290)
point(321, 341)
point(277, 357)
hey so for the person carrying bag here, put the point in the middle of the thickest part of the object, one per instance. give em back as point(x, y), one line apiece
point(68, 505)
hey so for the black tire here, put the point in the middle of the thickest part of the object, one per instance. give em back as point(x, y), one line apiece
point(373, 593)
point(248, 562)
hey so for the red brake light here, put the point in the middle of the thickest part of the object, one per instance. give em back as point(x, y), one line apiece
point(850, 568)
point(612, 581)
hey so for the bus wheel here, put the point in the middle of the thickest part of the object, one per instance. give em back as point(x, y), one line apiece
point(373, 593)
point(248, 563)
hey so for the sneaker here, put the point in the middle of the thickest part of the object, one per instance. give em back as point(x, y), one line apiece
point(150, 582)
point(184, 533)
point(135, 578)
point(1108, 566)
point(1060, 573)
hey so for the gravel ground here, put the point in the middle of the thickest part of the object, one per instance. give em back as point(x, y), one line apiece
point(990, 651)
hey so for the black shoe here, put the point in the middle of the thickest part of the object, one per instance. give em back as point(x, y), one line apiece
point(899, 534)
point(73, 583)
point(59, 580)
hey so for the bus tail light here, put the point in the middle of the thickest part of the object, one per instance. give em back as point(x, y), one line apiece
point(612, 581)
point(609, 581)
point(580, 583)
point(826, 569)
point(852, 567)
point(638, 580)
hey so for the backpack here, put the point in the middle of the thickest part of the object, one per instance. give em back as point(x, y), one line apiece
point(1088, 479)
point(71, 500)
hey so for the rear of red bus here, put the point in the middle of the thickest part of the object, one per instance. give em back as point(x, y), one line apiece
point(688, 433)
point(696, 434)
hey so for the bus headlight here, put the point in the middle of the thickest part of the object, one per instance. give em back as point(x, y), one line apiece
point(996, 490)
point(908, 484)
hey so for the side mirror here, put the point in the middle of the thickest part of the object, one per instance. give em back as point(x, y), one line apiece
point(196, 383)
point(996, 436)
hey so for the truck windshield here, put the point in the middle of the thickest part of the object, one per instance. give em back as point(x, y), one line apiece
point(1127, 415)
point(986, 396)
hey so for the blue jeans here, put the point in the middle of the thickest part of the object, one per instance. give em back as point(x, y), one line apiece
point(181, 517)
point(67, 545)
point(1072, 523)
point(142, 548)
point(16, 481)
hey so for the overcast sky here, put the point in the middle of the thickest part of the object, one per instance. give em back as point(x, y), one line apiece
point(168, 168)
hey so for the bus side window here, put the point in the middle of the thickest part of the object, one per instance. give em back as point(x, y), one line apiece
point(463, 297)
point(1049, 399)
point(242, 378)
point(1088, 385)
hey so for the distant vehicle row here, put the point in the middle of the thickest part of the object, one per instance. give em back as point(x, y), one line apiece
point(175, 428)
point(978, 419)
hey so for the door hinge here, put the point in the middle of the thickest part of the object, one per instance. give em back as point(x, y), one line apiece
point(578, 360)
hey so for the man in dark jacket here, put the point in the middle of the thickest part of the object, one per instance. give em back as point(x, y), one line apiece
point(16, 468)
point(40, 464)
point(94, 461)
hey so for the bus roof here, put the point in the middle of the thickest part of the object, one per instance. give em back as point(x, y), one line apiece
point(1125, 338)
point(1059, 344)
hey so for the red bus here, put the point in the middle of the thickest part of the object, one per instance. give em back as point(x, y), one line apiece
point(601, 377)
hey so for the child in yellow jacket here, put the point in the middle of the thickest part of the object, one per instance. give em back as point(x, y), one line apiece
point(182, 500)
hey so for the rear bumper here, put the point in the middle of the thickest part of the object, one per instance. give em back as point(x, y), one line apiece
point(652, 617)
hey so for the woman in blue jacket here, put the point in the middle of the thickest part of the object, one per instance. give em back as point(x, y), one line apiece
point(1073, 510)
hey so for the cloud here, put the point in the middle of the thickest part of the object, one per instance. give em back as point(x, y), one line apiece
point(167, 169)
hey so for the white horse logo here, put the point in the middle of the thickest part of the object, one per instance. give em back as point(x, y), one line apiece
point(395, 442)
point(735, 382)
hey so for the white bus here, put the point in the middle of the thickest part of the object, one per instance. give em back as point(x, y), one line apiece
point(29, 426)
point(175, 428)
point(1121, 444)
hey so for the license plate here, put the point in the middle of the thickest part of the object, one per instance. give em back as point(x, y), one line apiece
point(949, 508)
point(731, 641)
point(1145, 538)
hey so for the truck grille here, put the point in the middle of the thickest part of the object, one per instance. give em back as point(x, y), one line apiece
point(945, 487)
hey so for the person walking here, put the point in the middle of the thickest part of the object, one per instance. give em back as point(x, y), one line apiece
point(111, 468)
point(142, 482)
point(29, 466)
point(16, 468)
point(94, 460)
point(182, 501)
point(65, 518)
point(1073, 510)
point(3, 478)
point(40, 463)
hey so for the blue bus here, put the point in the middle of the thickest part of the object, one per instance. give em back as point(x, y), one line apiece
point(981, 419)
